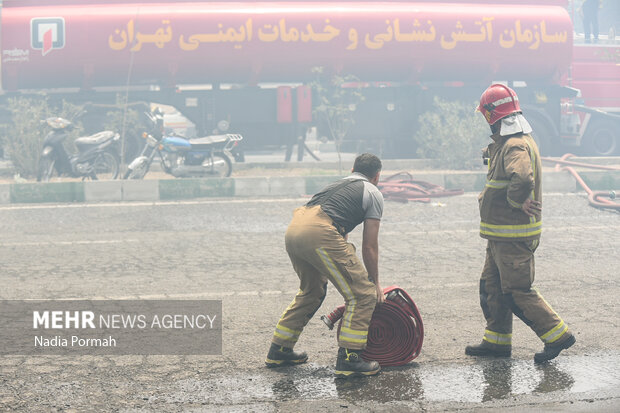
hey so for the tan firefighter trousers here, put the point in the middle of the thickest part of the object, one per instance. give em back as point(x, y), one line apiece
point(319, 253)
point(506, 288)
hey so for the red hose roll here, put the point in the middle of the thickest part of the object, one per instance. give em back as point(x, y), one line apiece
point(396, 331)
point(403, 188)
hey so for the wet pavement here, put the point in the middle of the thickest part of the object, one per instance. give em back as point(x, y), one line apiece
point(478, 382)
point(233, 250)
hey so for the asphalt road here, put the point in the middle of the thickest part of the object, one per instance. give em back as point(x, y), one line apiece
point(233, 250)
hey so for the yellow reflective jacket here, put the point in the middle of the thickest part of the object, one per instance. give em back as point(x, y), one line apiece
point(514, 176)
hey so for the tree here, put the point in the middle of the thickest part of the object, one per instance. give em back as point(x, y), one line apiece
point(453, 134)
point(127, 119)
point(338, 97)
point(23, 137)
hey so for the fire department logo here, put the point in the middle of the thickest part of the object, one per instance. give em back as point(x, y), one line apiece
point(47, 34)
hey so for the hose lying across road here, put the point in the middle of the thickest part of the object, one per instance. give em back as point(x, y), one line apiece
point(396, 331)
point(402, 187)
point(598, 199)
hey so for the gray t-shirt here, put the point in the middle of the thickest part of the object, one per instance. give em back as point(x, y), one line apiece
point(353, 201)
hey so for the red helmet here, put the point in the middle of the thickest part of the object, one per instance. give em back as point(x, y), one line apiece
point(497, 102)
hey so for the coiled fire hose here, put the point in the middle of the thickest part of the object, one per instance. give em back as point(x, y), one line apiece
point(598, 199)
point(396, 331)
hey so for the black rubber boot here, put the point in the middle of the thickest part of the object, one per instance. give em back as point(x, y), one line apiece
point(351, 364)
point(284, 356)
point(551, 352)
point(486, 349)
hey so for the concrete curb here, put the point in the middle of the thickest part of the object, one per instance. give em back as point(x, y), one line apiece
point(56, 192)
point(292, 186)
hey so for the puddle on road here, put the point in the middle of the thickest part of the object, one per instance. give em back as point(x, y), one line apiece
point(481, 381)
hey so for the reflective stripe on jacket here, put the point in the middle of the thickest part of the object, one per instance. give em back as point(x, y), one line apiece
point(514, 176)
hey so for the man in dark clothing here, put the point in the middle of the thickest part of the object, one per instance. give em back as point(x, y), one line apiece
point(316, 241)
point(589, 11)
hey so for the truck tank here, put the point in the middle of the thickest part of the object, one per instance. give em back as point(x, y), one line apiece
point(78, 45)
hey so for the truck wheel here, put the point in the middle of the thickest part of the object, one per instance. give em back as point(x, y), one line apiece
point(601, 138)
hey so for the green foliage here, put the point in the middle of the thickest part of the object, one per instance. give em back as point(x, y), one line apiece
point(453, 134)
point(22, 139)
point(338, 97)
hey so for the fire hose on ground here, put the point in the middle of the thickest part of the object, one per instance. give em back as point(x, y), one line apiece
point(598, 199)
point(396, 331)
point(402, 187)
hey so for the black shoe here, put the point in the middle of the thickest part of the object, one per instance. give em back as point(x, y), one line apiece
point(486, 349)
point(351, 364)
point(551, 352)
point(284, 356)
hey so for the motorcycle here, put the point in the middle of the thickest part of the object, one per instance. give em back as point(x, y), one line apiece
point(96, 158)
point(181, 157)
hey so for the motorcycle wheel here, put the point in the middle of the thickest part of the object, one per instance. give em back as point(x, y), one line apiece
point(46, 169)
point(135, 173)
point(105, 166)
point(221, 166)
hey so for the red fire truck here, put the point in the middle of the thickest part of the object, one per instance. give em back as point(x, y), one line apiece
point(249, 63)
point(595, 71)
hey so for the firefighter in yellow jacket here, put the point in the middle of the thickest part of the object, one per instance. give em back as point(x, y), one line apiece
point(510, 219)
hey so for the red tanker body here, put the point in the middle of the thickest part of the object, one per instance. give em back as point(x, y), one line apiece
point(597, 75)
point(188, 43)
point(153, 50)
point(36, 3)
point(595, 71)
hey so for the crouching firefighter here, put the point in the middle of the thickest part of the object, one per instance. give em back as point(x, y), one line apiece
point(510, 214)
point(316, 242)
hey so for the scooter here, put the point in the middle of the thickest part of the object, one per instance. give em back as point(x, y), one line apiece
point(97, 156)
point(180, 157)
